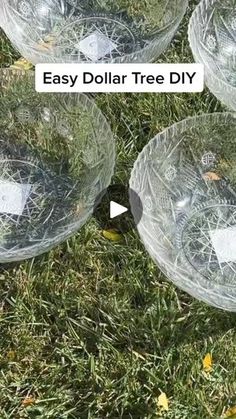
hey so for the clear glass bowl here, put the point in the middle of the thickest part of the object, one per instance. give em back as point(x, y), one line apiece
point(212, 37)
point(186, 181)
point(56, 157)
point(92, 30)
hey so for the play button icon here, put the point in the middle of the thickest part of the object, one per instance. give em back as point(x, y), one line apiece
point(112, 209)
point(116, 209)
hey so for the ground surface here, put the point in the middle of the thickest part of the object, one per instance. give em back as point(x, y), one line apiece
point(93, 329)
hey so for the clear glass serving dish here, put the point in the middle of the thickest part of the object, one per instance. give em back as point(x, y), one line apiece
point(57, 156)
point(212, 37)
point(186, 181)
point(93, 30)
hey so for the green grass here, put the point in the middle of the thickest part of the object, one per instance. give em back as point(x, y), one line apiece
point(93, 329)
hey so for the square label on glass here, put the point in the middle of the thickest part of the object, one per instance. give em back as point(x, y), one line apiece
point(224, 243)
point(13, 197)
point(96, 46)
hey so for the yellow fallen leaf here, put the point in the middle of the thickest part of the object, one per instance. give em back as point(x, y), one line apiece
point(138, 355)
point(211, 176)
point(11, 355)
point(207, 363)
point(230, 413)
point(22, 64)
point(163, 402)
point(28, 401)
point(112, 235)
point(47, 43)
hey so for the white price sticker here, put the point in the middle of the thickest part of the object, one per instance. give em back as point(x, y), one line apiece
point(13, 197)
point(224, 243)
point(96, 46)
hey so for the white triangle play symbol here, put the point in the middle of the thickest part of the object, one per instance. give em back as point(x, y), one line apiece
point(116, 209)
